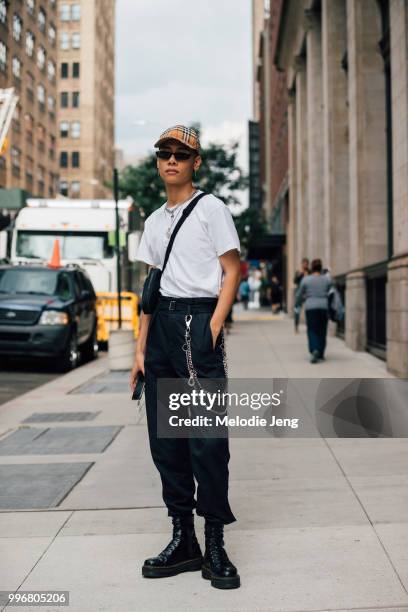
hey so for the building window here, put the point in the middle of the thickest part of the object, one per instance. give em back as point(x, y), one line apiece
point(30, 42)
point(41, 19)
point(64, 41)
point(52, 33)
point(3, 56)
point(30, 6)
point(65, 12)
point(3, 11)
point(16, 67)
point(17, 27)
point(40, 94)
point(51, 104)
point(76, 12)
point(29, 165)
point(15, 159)
point(76, 40)
point(51, 70)
point(64, 99)
point(64, 129)
point(75, 70)
point(30, 86)
point(63, 188)
point(64, 70)
point(75, 189)
point(75, 129)
point(51, 150)
point(75, 159)
point(63, 159)
point(41, 57)
point(75, 99)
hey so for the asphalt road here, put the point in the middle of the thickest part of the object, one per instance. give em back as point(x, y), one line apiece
point(17, 378)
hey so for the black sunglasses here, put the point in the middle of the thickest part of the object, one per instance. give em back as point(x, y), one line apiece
point(179, 155)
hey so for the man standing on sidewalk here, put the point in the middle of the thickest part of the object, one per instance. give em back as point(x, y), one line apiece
point(184, 338)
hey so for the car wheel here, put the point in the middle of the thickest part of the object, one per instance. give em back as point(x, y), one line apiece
point(89, 350)
point(70, 357)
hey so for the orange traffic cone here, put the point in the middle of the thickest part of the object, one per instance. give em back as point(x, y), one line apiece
point(55, 261)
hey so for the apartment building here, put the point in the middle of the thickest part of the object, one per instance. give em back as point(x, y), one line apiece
point(85, 107)
point(28, 62)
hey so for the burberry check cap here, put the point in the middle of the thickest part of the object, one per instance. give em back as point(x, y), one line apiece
point(185, 135)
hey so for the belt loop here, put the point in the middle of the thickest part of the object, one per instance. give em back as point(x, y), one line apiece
point(172, 305)
point(188, 308)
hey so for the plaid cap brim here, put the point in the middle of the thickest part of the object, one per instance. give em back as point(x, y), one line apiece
point(187, 136)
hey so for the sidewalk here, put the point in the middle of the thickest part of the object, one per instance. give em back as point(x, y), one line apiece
point(322, 523)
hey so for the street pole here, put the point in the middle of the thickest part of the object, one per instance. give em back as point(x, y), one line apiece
point(117, 246)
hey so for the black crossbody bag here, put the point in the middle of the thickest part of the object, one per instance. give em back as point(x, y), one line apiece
point(151, 286)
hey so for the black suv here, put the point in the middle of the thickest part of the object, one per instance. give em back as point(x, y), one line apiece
point(46, 312)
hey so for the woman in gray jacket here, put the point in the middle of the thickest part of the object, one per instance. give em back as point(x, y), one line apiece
point(313, 291)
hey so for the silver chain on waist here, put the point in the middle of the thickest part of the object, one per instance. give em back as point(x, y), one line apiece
point(193, 378)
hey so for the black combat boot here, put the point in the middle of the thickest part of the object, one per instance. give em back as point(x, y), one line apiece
point(217, 567)
point(182, 554)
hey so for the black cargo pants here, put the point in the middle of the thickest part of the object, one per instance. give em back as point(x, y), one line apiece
point(180, 460)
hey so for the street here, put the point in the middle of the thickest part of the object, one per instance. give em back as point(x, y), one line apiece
point(321, 522)
point(18, 377)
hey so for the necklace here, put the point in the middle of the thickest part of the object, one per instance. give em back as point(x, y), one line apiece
point(174, 215)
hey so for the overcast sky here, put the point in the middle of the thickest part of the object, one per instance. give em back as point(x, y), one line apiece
point(182, 61)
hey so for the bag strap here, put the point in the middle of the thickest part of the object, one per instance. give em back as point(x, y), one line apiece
point(183, 217)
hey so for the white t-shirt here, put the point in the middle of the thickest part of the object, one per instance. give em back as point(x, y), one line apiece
point(193, 268)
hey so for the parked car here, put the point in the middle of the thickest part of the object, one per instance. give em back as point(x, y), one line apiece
point(47, 313)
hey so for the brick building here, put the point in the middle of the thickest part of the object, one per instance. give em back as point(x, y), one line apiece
point(86, 97)
point(28, 62)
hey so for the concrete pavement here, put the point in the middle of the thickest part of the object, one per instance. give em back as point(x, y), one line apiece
point(322, 523)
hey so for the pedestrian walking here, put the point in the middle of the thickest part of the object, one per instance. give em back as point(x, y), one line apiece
point(314, 291)
point(299, 274)
point(276, 294)
point(244, 291)
point(184, 338)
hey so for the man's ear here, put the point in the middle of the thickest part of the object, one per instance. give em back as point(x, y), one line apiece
point(197, 162)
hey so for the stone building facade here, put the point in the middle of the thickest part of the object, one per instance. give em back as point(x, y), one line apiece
point(28, 62)
point(346, 65)
point(86, 47)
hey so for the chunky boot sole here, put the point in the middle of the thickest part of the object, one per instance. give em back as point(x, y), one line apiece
point(230, 582)
point(192, 565)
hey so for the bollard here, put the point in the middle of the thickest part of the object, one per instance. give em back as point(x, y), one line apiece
point(121, 349)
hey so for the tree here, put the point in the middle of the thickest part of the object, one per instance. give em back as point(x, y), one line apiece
point(219, 174)
point(249, 224)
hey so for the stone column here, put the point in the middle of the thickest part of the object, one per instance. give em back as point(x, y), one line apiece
point(316, 237)
point(292, 253)
point(367, 156)
point(397, 285)
point(335, 137)
point(301, 163)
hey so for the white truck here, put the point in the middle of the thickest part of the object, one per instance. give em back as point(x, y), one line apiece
point(85, 230)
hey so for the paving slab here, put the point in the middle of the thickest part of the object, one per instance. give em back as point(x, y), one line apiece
point(18, 557)
point(45, 417)
point(295, 502)
point(265, 458)
point(31, 524)
point(385, 498)
point(38, 486)
point(368, 457)
point(58, 440)
point(394, 538)
point(281, 570)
